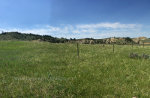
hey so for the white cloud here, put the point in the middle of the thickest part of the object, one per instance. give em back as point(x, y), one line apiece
point(100, 30)
point(109, 25)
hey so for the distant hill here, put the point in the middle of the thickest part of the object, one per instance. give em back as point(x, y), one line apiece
point(29, 37)
point(48, 38)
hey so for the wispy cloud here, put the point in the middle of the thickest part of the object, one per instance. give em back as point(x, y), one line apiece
point(109, 25)
point(100, 30)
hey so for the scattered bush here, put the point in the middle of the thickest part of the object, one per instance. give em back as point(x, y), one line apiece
point(135, 55)
point(145, 56)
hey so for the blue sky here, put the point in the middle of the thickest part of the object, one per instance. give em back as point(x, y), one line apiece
point(77, 18)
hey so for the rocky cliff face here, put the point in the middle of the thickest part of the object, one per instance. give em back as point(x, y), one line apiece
point(139, 39)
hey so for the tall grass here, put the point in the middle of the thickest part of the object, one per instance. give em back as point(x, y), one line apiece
point(41, 69)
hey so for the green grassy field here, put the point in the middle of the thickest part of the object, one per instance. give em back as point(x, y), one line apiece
point(41, 69)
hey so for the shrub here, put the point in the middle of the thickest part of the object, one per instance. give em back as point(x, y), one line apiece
point(135, 55)
point(145, 56)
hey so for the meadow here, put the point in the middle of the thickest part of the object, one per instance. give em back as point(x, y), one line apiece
point(42, 69)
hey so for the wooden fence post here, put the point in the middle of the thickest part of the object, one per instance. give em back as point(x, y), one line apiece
point(113, 47)
point(103, 45)
point(78, 50)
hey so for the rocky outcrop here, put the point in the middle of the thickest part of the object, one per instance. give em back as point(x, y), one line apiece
point(139, 39)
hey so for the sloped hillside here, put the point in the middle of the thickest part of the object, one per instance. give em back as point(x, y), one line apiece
point(29, 37)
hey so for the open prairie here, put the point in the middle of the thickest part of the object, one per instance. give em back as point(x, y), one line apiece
point(42, 69)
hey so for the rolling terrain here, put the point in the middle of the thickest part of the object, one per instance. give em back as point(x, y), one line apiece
point(43, 69)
